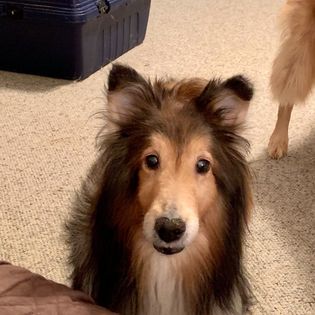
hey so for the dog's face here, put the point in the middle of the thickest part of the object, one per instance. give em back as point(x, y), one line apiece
point(175, 133)
point(175, 190)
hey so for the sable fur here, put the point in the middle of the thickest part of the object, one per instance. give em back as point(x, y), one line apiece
point(106, 220)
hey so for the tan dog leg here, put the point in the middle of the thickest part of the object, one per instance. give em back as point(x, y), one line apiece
point(278, 143)
point(293, 71)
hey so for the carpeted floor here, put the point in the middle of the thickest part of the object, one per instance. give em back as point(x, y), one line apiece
point(47, 142)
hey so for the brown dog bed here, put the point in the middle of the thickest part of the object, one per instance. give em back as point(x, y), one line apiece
point(25, 293)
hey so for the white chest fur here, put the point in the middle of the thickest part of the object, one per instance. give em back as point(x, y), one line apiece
point(163, 290)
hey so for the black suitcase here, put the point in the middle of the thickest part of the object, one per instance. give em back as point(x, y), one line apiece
point(68, 39)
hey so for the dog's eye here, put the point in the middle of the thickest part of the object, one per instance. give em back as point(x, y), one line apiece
point(202, 166)
point(152, 161)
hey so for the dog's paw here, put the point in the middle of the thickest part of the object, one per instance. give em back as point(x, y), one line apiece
point(278, 145)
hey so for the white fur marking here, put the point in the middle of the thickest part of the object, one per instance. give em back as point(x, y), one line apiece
point(164, 292)
point(192, 227)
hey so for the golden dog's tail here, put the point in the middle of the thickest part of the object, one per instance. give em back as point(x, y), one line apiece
point(293, 72)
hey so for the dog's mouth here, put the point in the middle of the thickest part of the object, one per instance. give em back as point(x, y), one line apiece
point(168, 250)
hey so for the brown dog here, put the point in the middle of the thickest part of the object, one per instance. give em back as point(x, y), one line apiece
point(159, 223)
point(293, 72)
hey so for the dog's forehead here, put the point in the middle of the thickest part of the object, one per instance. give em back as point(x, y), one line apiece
point(179, 124)
point(195, 145)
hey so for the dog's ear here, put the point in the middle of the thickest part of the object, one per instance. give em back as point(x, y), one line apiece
point(125, 88)
point(121, 76)
point(226, 103)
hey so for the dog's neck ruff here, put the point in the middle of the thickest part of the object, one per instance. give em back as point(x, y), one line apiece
point(163, 291)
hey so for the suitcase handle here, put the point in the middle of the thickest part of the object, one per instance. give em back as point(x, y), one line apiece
point(103, 6)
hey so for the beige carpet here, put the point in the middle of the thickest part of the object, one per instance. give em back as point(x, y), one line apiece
point(47, 142)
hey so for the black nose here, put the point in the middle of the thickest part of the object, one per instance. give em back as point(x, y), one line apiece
point(169, 230)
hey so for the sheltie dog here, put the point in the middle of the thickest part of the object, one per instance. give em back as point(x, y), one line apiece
point(293, 73)
point(158, 226)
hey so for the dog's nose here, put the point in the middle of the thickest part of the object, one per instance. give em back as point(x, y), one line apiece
point(170, 230)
